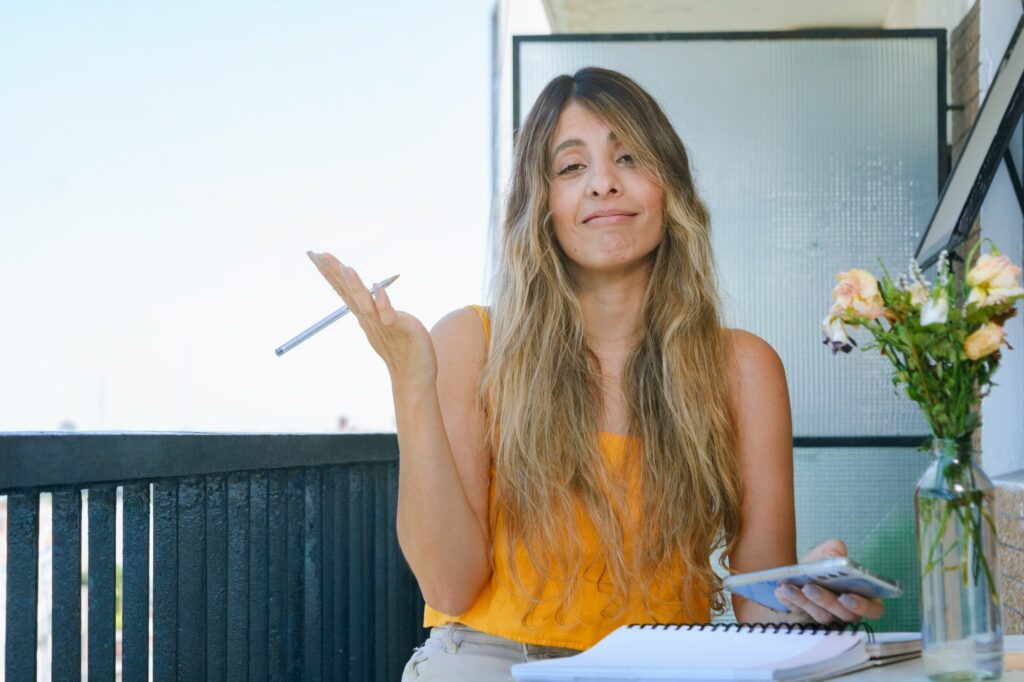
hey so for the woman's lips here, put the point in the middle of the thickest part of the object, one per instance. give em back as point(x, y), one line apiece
point(610, 219)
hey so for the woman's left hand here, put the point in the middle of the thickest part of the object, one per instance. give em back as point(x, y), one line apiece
point(815, 603)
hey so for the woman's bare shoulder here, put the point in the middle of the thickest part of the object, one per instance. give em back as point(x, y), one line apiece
point(747, 343)
point(751, 356)
point(461, 322)
point(459, 335)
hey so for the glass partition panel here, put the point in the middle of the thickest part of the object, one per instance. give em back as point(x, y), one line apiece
point(816, 152)
point(864, 497)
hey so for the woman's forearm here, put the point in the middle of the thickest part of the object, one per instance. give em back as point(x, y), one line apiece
point(439, 534)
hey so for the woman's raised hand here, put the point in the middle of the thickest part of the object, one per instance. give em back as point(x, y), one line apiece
point(399, 338)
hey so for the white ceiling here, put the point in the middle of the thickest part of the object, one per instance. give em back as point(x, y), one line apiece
point(629, 16)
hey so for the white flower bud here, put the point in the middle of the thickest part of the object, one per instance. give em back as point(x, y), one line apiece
point(936, 309)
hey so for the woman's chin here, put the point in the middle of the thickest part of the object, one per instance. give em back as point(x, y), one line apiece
point(613, 264)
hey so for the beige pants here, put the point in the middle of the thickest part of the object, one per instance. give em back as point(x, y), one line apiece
point(456, 652)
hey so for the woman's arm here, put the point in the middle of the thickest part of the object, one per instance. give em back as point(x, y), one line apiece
point(443, 471)
point(764, 449)
point(444, 474)
point(764, 445)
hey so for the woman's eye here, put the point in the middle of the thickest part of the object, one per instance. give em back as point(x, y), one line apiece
point(573, 167)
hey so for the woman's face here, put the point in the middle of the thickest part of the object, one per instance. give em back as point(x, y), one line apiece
point(592, 172)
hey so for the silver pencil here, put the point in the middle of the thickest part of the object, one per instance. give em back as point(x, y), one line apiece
point(340, 312)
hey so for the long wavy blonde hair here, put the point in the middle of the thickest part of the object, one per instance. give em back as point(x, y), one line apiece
point(541, 385)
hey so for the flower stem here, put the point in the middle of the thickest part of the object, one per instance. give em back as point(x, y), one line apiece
point(924, 379)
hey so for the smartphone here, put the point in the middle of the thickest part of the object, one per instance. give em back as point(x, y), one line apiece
point(839, 574)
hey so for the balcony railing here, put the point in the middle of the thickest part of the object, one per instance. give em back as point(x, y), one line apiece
point(273, 556)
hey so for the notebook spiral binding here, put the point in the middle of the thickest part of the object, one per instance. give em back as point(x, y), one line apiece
point(774, 628)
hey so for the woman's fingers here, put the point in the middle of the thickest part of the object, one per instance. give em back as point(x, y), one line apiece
point(360, 294)
point(824, 606)
point(333, 271)
point(833, 547)
point(847, 607)
point(799, 604)
point(862, 606)
point(388, 316)
point(827, 600)
point(345, 281)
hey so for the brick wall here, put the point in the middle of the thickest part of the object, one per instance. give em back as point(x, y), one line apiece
point(963, 85)
point(1010, 524)
point(964, 101)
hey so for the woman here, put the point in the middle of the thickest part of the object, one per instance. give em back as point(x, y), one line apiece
point(571, 458)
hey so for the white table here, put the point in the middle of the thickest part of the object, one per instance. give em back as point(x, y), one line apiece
point(914, 669)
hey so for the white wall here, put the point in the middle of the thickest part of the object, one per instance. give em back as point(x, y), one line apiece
point(927, 13)
point(513, 17)
point(1002, 435)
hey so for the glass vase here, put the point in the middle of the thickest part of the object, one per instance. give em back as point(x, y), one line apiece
point(961, 620)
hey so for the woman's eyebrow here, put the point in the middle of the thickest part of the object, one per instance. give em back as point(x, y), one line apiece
point(575, 142)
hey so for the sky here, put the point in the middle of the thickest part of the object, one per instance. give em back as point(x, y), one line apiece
point(165, 167)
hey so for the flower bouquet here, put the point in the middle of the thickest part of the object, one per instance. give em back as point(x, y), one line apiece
point(944, 341)
point(944, 352)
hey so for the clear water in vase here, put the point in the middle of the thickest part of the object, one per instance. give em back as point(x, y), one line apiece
point(961, 622)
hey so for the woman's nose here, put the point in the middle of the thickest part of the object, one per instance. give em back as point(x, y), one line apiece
point(603, 179)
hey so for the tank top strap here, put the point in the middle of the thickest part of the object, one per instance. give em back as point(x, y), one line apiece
point(485, 318)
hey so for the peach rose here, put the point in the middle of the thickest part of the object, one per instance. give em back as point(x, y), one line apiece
point(856, 295)
point(993, 279)
point(984, 341)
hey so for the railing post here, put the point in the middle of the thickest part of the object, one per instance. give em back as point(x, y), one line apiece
point(165, 580)
point(66, 664)
point(22, 585)
point(259, 577)
point(102, 506)
point(238, 580)
point(191, 580)
point(216, 578)
point(312, 561)
point(135, 583)
point(277, 578)
point(295, 514)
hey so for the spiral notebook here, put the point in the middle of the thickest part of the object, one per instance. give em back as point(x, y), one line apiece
point(793, 653)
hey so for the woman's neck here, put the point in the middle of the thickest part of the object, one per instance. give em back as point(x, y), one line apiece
point(611, 309)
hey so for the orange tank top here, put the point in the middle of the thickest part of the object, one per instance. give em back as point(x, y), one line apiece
point(499, 608)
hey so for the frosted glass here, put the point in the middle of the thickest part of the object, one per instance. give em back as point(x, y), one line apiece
point(814, 156)
point(865, 497)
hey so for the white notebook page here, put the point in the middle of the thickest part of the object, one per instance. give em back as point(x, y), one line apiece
point(694, 650)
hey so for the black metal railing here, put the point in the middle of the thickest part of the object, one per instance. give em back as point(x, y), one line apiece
point(274, 556)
